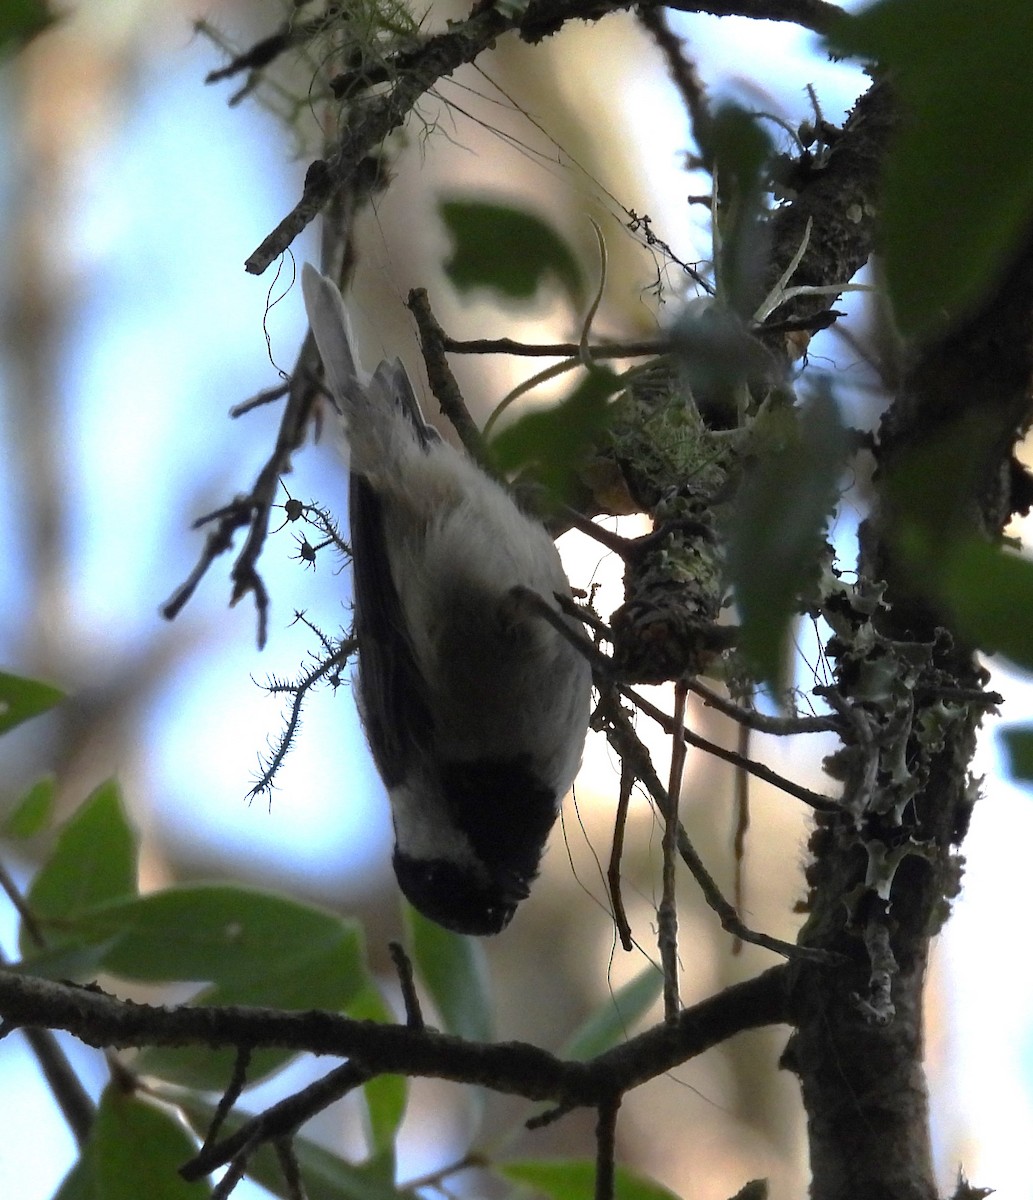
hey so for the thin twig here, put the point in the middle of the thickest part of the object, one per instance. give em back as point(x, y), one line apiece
point(434, 1178)
point(629, 746)
point(72, 1098)
point(601, 666)
point(751, 719)
point(683, 74)
point(65, 1086)
point(442, 382)
point(742, 825)
point(28, 917)
point(613, 871)
point(555, 349)
point(230, 1096)
point(289, 1167)
point(606, 1148)
point(667, 917)
point(407, 982)
point(551, 1115)
point(814, 799)
point(228, 1183)
point(268, 396)
point(252, 511)
point(281, 1120)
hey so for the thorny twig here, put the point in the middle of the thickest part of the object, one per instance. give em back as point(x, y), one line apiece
point(252, 510)
point(298, 690)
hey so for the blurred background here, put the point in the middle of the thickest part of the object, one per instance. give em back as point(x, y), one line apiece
point(130, 195)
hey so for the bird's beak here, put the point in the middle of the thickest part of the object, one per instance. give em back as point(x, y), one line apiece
point(514, 887)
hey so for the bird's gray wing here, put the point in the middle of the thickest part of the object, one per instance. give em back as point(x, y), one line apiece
point(392, 692)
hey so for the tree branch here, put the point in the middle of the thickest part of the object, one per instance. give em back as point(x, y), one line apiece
point(440, 55)
point(514, 1068)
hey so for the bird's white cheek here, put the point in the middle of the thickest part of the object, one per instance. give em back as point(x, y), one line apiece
point(424, 828)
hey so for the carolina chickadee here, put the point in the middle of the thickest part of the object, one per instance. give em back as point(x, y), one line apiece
point(475, 708)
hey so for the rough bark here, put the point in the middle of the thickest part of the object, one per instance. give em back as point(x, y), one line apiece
point(884, 873)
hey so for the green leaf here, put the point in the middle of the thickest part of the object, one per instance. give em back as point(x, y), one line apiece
point(455, 972)
point(574, 1179)
point(510, 252)
point(239, 939)
point(79, 1183)
point(989, 592)
point(22, 699)
point(982, 590)
point(776, 528)
point(32, 813)
point(738, 149)
point(554, 443)
point(958, 189)
point(136, 1150)
point(66, 962)
point(326, 1176)
point(252, 947)
point(1018, 749)
point(385, 1095)
point(717, 354)
point(93, 862)
point(21, 20)
point(612, 1021)
point(932, 488)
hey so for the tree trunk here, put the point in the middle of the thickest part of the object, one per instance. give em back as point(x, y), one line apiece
point(884, 872)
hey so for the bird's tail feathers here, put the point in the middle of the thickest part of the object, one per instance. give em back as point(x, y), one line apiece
point(332, 331)
point(368, 404)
